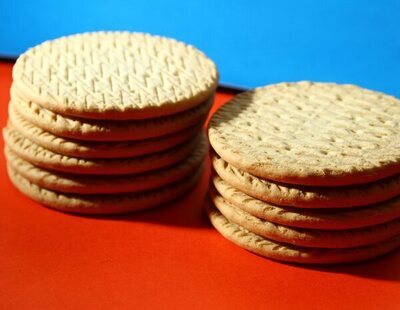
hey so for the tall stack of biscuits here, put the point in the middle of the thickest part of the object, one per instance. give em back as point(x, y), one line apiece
point(108, 122)
point(308, 172)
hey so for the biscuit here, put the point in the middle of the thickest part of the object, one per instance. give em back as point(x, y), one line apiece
point(115, 75)
point(47, 159)
point(347, 218)
point(290, 253)
point(307, 196)
point(320, 134)
point(97, 149)
point(97, 130)
point(103, 204)
point(306, 237)
point(87, 184)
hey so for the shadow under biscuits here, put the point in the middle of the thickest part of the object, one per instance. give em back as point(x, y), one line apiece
point(384, 267)
point(185, 211)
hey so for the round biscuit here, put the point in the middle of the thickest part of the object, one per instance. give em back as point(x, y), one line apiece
point(317, 238)
point(301, 196)
point(320, 134)
point(97, 149)
point(103, 130)
point(290, 253)
point(343, 218)
point(115, 75)
point(47, 159)
point(103, 204)
point(99, 184)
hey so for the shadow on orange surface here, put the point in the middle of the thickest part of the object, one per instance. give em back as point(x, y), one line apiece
point(186, 211)
point(384, 267)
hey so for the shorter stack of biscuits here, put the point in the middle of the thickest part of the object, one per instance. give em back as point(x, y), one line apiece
point(108, 122)
point(308, 172)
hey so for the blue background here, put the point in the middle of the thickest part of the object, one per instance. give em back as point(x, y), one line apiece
point(252, 42)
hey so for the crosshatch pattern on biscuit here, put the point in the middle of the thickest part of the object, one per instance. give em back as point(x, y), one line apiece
point(115, 72)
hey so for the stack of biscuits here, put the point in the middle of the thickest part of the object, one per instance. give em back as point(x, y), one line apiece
point(308, 172)
point(108, 122)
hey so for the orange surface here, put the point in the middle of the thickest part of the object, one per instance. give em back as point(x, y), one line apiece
point(167, 258)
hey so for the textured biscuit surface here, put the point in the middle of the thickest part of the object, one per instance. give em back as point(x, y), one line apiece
point(47, 159)
point(84, 184)
point(346, 218)
point(115, 75)
point(290, 253)
point(307, 196)
point(96, 130)
point(306, 237)
point(97, 149)
point(310, 133)
point(102, 204)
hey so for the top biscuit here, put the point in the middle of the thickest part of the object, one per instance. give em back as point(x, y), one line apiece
point(115, 75)
point(319, 134)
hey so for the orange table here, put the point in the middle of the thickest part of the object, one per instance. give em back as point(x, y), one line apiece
point(167, 258)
